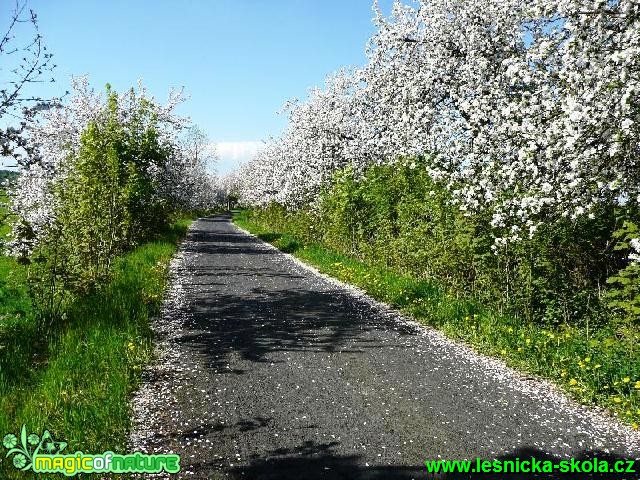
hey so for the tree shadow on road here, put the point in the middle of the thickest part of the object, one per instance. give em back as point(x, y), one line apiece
point(255, 308)
point(257, 328)
point(256, 311)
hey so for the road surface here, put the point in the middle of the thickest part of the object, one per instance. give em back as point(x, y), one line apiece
point(268, 370)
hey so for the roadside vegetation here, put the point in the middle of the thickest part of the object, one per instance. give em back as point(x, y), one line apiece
point(103, 186)
point(76, 380)
point(103, 196)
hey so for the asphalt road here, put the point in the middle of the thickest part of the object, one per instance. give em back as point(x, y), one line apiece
point(268, 370)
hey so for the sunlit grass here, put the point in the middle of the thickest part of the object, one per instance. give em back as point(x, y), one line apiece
point(77, 382)
point(600, 367)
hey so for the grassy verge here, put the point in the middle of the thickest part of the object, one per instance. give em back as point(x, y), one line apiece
point(598, 366)
point(77, 383)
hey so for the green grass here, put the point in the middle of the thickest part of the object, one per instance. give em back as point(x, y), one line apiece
point(4, 226)
point(77, 383)
point(599, 367)
point(14, 299)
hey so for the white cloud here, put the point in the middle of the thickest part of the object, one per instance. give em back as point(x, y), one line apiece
point(8, 163)
point(232, 154)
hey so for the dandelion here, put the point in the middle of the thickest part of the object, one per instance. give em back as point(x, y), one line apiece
point(626, 379)
point(573, 382)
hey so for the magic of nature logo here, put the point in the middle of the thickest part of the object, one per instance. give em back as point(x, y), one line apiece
point(44, 454)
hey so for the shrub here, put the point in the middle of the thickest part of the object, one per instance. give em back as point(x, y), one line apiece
point(396, 216)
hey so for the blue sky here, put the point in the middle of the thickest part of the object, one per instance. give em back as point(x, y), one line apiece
point(239, 60)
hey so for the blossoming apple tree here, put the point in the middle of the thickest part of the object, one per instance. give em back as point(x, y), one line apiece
point(105, 172)
point(527, 110)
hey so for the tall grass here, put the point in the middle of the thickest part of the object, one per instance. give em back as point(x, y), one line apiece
point(77, 382)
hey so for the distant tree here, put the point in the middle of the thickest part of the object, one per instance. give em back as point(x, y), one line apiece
point(7, 175)
point(196, 146)
point(24, 60)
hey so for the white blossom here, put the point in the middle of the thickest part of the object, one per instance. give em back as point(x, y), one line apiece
point(55, 139)
point(527, 109)
point(635, 245)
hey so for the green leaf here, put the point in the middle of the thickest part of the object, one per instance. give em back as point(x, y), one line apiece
point(23, 436)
